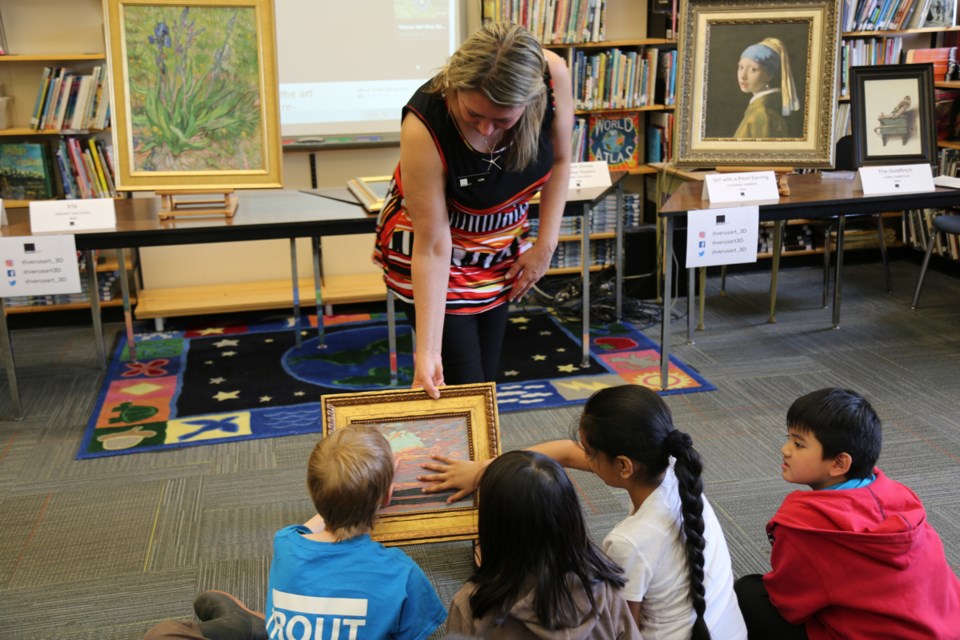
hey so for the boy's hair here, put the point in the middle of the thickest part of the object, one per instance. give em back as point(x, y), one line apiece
point(842, 421)
point(348, 476)
point(531, 526)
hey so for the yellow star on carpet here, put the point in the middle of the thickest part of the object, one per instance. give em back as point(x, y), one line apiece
point(512, 372)
point(546, 333)
point(227, 395)
point(567, 368)
point(226, 343)
point(217, 380)
point(208, 362)
point(520, 320)
point(539, 357)
point(265, 398)
point(212, 331)
point(299, 393)
point(268, 340)
point(561, 349)
point(227, 354)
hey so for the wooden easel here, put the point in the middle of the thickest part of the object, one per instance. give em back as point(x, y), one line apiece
point(783, 187)
point(183, 202)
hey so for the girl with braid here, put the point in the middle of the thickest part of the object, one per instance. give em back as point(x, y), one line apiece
point(671, 547)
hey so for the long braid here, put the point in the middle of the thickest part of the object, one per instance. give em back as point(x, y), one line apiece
point(688, 470)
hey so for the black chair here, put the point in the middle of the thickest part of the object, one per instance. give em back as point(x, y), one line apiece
point(946, 223)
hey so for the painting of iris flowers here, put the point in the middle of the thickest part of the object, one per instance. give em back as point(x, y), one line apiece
point(195, 91)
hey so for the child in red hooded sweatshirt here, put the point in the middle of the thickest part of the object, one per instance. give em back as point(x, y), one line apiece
point(855, 557)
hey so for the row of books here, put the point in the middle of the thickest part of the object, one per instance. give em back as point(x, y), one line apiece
point(866, 51)
point(552, 21)
point(602, 219)
point(69, 101)
point(71, 167)
point(897, 15)
point(108, 285)
point(795, 238)
point(944, 60)
point(618, 79)
point(567, 254)
point(660, 137)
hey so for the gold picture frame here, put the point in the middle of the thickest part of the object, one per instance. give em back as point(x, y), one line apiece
point(716, 120)
point(194, 94)
point(370, 191)
point(463, 424)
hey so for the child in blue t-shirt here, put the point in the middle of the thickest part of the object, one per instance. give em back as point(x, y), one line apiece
point(328, 578)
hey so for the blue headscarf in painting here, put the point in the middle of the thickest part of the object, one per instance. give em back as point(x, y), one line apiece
point(772, 56)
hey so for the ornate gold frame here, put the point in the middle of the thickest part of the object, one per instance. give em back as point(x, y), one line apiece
point(473, 405)
point(263, 150)
point(696, 146)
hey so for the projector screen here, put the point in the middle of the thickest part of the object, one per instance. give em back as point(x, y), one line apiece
point(348, 66)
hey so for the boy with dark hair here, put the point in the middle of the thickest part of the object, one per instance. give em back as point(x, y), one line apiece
point(856, 557)
point(328, 578)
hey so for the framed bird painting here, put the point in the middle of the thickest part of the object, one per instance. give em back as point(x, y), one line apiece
point(893, 115)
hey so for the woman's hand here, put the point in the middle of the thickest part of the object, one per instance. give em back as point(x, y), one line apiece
point(462, 475)
point(528, 269)
point(428, 374)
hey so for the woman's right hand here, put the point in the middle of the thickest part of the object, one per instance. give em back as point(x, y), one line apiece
point(428, 374)
point(462, 475)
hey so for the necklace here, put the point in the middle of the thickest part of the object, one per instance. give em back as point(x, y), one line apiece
point(493, 160)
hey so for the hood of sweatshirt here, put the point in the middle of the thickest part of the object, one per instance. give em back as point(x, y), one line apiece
point(588, 620)
point(883, 520)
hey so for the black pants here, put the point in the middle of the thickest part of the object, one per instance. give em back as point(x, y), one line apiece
point(763, 620)
point(471, 344)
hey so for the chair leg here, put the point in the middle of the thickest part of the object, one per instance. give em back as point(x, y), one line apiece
point(923, 273)
point(883, 255)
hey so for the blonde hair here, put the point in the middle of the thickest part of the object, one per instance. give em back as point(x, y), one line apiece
point(506, 63)
point(348, 476)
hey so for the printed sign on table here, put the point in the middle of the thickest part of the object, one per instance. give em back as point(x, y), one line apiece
point(722, 236)
point(39, 266)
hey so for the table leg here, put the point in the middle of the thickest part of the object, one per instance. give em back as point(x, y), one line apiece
point(665, 312)
point(318, 292)
point(702, 298)
point(127, 310)
point(838, 270)
point(618, 251)
point(691, 296)
point(585, 283)
point(392, 337)
point(9, 363)
point(296, 292)
point(777, 248)
point(94, 286)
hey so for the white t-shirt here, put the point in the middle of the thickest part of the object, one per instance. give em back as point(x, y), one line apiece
point(648, 544)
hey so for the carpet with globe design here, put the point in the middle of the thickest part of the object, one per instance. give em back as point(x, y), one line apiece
point(206, 381)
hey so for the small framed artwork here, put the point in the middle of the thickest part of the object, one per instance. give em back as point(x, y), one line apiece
point(194, 94)
point(370, 192)
point(757, 83)
point(462, 424)
point(893, 114)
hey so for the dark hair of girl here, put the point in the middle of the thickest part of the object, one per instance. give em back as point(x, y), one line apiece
point(532, 530)
point(633, 421)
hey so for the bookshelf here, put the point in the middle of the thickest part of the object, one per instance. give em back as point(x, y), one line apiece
point(64, 44)
point(607, 47)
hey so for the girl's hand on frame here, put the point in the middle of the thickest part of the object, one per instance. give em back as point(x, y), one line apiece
point(462, 475)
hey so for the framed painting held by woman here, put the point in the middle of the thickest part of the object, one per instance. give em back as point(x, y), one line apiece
point(757, 83)
point(194, 94)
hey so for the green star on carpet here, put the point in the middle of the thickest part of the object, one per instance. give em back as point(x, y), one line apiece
point(227, 395)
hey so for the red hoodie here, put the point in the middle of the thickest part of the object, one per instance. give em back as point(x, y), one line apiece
point(861, 563)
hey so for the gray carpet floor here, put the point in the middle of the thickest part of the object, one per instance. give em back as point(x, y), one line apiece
point(102, 549)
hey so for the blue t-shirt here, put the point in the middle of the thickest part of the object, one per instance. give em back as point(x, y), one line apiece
point(355, 589)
